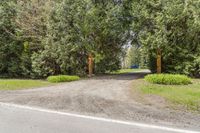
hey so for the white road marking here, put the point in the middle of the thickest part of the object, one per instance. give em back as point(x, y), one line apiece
point(101, 119)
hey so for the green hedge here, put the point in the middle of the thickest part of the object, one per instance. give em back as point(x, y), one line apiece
point(168, 79)
point(62, 78)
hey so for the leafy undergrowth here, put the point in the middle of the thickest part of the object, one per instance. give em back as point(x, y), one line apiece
point(186, 96)
point(17, 84)
point(168, 79)
point(62, 78)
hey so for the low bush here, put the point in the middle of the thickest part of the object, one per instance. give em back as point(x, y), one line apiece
point(168, 79)
point(62, 78)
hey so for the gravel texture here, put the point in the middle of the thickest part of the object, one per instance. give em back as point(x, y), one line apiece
point(102, 96)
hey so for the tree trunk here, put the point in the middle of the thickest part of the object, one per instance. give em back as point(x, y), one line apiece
point(90, 65)
point(159, 61)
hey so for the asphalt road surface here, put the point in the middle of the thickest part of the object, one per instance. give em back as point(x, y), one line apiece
point(21, 119)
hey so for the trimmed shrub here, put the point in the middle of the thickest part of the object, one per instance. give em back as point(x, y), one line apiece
point(168, 79)
point(62, 78)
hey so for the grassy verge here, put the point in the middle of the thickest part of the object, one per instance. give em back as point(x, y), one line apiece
point(16, 84)
point(124, 71)
point(187, 96)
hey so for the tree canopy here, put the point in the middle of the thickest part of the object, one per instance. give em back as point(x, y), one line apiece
point(50, 37)
point(172, 26)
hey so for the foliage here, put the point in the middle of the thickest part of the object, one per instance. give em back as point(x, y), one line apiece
point(78, 28)
point(168, 79)
point(62, 78)
point(31, 19)
point(25, 58)
point(43, 64)
point(63, 47)
point(42, 38)
point(51, 37)
point(18, 29)
point(173, 27)
point(10, 46)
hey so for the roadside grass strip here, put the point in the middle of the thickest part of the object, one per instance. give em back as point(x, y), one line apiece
point(18, 84)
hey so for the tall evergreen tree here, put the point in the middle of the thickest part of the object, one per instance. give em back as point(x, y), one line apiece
point(10, 44)
point(171, 26)
point(79, 28)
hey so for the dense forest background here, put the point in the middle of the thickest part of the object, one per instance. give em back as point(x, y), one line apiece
point(39, 38)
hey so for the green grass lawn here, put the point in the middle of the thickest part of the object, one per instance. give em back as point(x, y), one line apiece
point(16, 84)
point(186, 95)
point(123, 71)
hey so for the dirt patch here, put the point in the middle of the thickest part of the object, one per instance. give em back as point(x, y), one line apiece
point(104, 96)
point(157, 100)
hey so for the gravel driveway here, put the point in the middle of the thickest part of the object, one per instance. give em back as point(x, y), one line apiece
point(103, 96)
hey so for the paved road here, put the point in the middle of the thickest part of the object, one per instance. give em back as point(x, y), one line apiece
point(14, 119)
